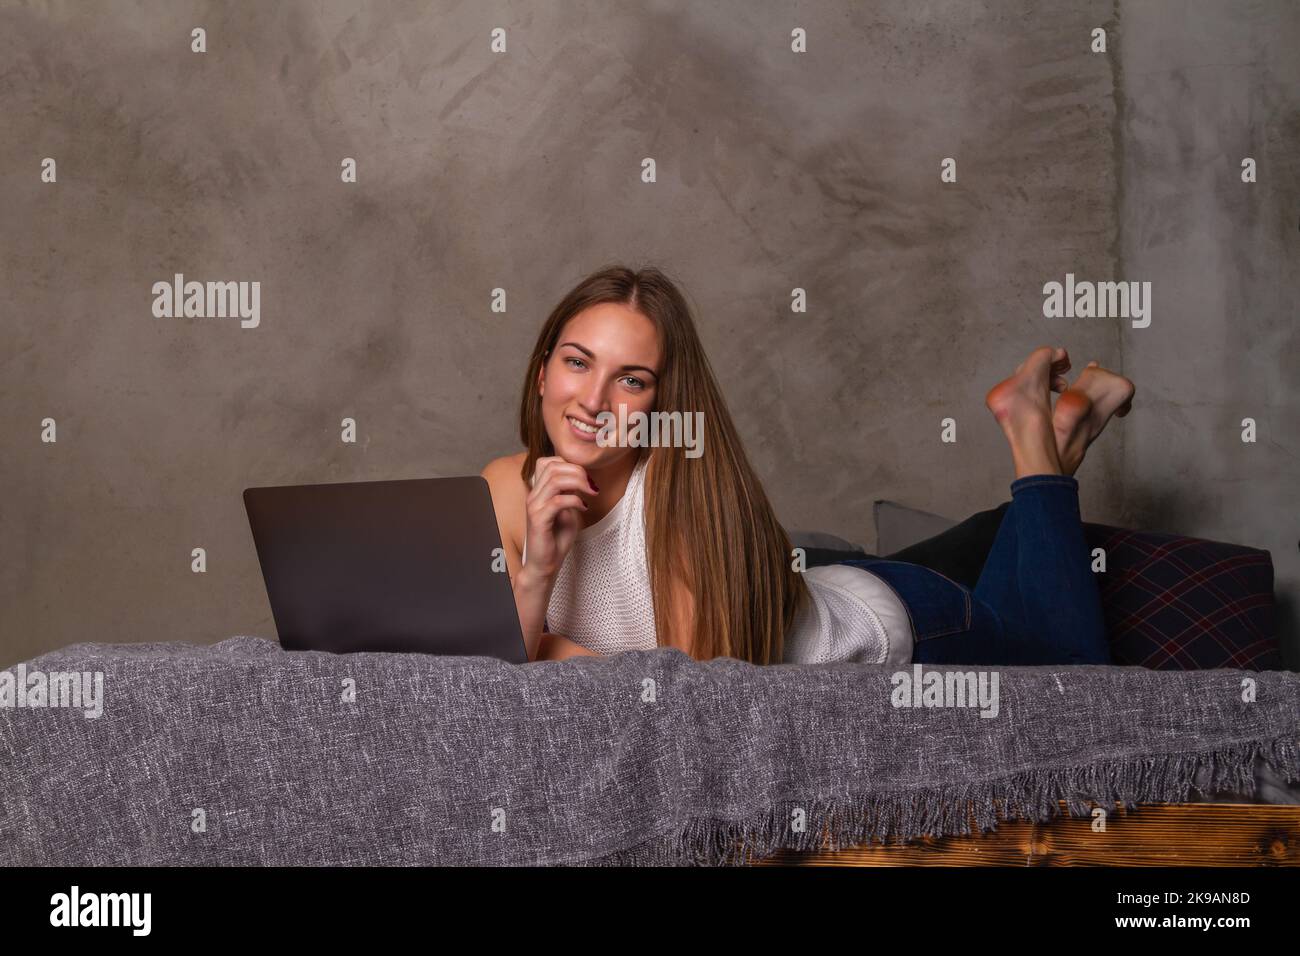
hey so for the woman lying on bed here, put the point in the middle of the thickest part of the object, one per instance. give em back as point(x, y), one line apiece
point(619, 547)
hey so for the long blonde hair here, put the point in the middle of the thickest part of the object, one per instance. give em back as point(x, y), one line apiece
point(707, 518)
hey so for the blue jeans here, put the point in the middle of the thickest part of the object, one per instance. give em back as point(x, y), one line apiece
point(1036, 600)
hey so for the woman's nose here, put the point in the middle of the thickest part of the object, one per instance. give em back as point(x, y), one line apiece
point(595, 398)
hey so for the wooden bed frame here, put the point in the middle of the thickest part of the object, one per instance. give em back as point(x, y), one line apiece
point(1166, 834)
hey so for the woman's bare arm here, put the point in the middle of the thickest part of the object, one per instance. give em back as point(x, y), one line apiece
point(549, 508)
point(531, 596)
point(557, 647)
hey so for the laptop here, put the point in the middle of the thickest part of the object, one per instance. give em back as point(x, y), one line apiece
point(403, 566)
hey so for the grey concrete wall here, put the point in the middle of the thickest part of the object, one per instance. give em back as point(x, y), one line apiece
point(522, 171)
point(1204, 86)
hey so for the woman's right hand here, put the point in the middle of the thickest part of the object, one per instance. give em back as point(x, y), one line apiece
point(552, 515)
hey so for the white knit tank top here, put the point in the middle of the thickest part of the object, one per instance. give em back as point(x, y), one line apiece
point(601, 597)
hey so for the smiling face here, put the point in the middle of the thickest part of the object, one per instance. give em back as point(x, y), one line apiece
point(606, 356)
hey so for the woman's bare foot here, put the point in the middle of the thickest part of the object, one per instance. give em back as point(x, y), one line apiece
point(1060, 365)
point(1022, 406)
point(1083, 410)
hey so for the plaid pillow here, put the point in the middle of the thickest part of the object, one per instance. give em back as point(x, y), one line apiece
point(1178, 603)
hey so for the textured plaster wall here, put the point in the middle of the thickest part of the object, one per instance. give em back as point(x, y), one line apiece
point(1205, 85)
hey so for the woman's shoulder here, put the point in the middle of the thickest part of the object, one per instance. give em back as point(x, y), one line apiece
point(509, 492)
point(505, 464)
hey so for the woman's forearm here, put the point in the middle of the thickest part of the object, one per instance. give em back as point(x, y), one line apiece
point(557, 647)
point(531, 597)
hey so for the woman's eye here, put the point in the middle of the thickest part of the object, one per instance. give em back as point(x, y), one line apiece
point(571, 359)
point(636, 382)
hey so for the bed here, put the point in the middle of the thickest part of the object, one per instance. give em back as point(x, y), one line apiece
point(241, 753)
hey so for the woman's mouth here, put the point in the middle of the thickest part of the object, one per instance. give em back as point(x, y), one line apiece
point(581, 429)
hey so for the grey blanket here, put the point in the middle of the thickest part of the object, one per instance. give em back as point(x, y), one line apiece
point(241, 753)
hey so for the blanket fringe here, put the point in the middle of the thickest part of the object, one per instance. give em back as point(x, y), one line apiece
point(861, 819)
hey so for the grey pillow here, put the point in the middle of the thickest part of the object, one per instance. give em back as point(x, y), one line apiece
point(899, 527)
point(821, 540)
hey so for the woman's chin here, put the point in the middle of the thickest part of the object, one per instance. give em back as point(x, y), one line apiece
point(576, 450)
point(585, 453)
